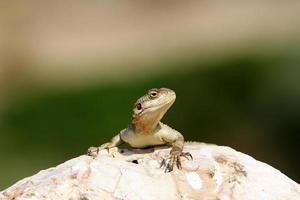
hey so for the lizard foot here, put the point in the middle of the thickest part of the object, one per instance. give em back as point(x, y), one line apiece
point(93, 151)
point(174, 158)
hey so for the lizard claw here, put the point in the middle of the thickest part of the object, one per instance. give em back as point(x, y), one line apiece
point(174, 158)
point(187, 155)
point(178, 164)
point(94, 151)
point(169, 168)
point(163, 163)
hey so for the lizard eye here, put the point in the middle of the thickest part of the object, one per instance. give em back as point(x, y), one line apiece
point(139, 106)
point(153, 94)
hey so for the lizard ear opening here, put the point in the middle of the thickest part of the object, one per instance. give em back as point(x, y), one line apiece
point(139, 106)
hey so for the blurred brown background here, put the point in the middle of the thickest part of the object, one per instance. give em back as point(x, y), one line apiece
point(70, 72)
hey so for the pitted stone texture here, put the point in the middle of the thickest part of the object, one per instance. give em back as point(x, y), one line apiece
point(215, 173)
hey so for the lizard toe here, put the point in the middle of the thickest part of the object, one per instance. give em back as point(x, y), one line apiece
point(187, 155)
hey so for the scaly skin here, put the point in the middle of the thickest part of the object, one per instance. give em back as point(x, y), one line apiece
point(146, 129)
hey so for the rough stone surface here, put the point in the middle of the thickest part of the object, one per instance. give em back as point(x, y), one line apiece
point(215, 173)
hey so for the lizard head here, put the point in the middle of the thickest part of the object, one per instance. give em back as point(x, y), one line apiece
point(150, 108)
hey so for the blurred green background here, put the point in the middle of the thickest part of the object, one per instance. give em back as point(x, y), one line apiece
point(69, 81)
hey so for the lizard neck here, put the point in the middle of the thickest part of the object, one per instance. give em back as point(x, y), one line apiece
point(146, 125)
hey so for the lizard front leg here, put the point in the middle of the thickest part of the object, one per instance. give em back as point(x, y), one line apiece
point(115, 141)
point(176, 152)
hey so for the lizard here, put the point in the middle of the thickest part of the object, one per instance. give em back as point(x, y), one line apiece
point(146, 130)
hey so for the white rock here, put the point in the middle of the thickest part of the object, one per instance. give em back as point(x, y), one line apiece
point(194, 180)
point(215, 173)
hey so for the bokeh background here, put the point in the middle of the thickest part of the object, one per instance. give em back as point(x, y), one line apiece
point(70, 72)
